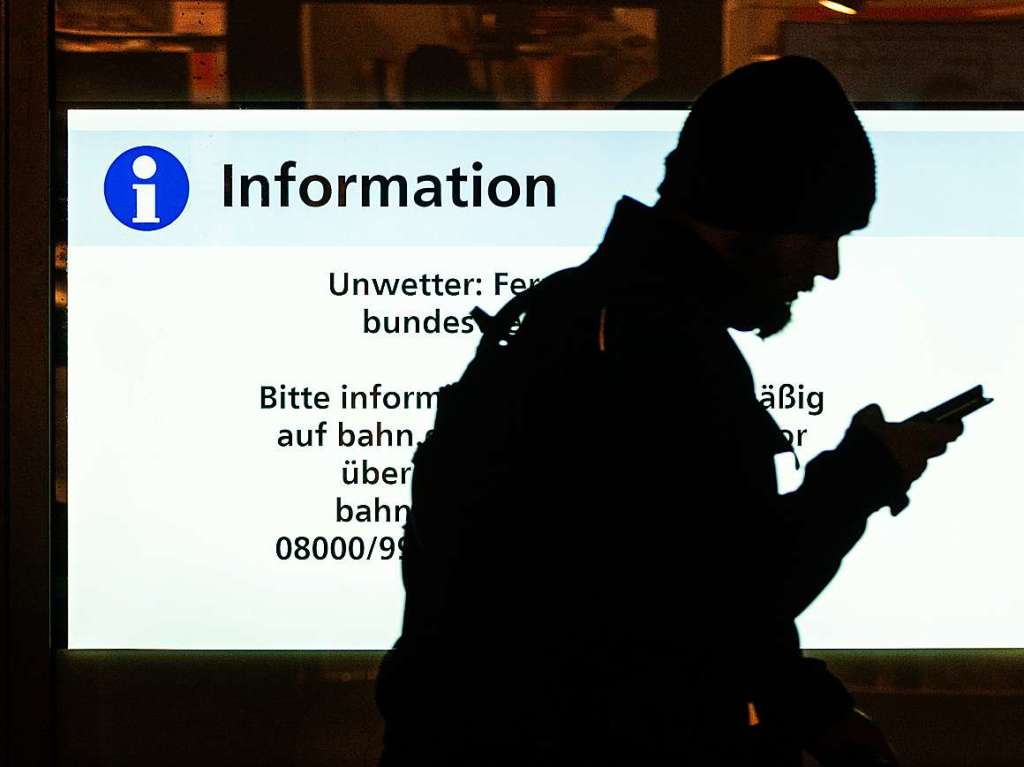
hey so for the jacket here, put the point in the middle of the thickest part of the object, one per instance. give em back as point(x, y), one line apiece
point(598, 565)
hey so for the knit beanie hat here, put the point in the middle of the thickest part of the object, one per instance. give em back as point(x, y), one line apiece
point(773, 147)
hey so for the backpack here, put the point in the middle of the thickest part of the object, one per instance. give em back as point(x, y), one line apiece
point(468, 472)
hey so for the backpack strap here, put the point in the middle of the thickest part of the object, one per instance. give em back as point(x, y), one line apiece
point(483, 320)
point(499, 328)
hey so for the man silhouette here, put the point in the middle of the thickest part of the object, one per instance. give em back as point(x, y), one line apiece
point(599, 568)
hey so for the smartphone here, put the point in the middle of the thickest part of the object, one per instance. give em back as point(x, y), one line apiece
point(957, 407)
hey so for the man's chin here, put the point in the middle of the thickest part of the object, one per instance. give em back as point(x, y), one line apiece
point(774, 320)
point(767, 316)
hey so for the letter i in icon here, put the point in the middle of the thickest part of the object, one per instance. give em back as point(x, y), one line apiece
point(144, 168)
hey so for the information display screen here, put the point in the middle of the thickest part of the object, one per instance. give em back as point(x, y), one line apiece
point(263, 304)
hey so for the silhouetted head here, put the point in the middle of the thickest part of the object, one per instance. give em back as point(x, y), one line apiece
point(772, 168)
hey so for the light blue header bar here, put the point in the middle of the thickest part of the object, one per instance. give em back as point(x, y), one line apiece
point(940, 174)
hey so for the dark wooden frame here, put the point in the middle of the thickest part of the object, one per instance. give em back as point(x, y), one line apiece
point(28, 698)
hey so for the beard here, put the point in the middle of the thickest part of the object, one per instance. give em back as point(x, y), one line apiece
point(774, 318)
point(765, 315)
point(756, 305)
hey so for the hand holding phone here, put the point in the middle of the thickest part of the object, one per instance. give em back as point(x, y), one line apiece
point(925, 435)
point(915, 441)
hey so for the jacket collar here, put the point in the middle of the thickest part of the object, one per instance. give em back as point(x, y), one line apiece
point(644, 253)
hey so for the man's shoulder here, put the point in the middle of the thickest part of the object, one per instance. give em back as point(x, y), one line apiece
point(652, 324)
point(574, 316)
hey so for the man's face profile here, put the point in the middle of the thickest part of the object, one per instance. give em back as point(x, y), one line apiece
point(778, 267)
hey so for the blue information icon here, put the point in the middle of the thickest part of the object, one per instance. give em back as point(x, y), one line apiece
point(146, 188)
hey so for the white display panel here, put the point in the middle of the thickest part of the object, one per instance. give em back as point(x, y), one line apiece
point(180, 493)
